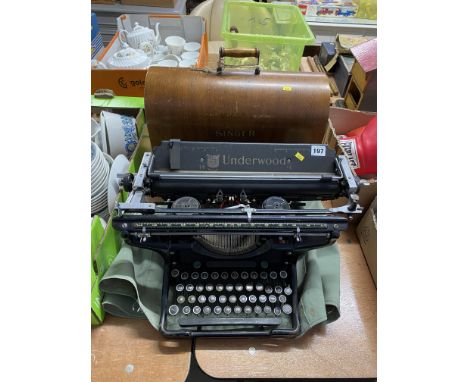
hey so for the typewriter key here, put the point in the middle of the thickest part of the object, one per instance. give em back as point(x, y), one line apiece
point(206, 310)
point(179, 288)
point(175, 273)
point(264, 264)
point(217, 310)
point(259, 287)
point(267, 309)
point(243, 298)
point(232, 299)
point(247, 309)
point(212, 298)
point(224, 275)
point(196, 310)
point(186, 310)
point(258, 309)
point(173, 310)
point(283, 274)
point(273, 275)
point(184, 276)
point(253, 298)
point(239, 287)
point(195, 275)
point(229, 288)
point(249, 287)
point(268, 289)
point(197, 264)
point(278, 289)
point(254, 275)
point(263, 275)
point(191, 299)
point(262, 298)
point(180, 299)
point(202, 299)
point(287, 309)
point(277, 310)
point(244, 275)
point(227, 309)
point(219, 287)
point(215, 275)
point(237, 309)
point(287, 291)
point(209, 287)
point(222, 299)
point(272, 298)
point(204, 275)
point(282, 298)
point(189, 287)
point(199, 288)
point(234, 275)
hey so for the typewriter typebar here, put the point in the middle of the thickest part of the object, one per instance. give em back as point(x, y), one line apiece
point(230, 220)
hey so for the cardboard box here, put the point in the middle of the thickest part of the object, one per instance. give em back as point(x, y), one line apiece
point(131, 82)
point(343, 68)
point(151, 3)
point(343, 121)
point(366, 232)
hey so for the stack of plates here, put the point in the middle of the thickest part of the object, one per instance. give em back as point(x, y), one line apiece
point(100, 165)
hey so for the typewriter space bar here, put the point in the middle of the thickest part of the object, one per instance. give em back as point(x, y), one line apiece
point(202, 321)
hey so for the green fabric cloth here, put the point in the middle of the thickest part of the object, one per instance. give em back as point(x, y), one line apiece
point(132, 285)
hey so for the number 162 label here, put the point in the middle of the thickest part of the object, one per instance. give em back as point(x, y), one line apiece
point(317, 151)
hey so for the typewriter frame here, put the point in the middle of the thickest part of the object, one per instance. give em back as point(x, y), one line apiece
point(143, 224)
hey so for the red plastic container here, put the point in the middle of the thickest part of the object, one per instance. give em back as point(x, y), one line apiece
point(361, 147)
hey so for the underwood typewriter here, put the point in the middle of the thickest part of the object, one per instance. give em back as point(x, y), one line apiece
point(230, 220)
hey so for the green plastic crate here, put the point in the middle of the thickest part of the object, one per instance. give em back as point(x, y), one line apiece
point(279, 31)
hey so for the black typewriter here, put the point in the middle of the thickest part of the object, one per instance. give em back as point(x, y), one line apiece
point(230, 220)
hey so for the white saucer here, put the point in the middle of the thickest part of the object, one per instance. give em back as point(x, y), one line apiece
point(120, 166)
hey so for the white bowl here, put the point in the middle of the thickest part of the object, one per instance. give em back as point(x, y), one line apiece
point(166, 63)
point(175, 44)
point(187, 63)
point(190, 56)
point(192, 46)
point(120, 134)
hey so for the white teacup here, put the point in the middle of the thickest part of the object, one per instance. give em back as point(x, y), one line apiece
point(166, 63)
point(190, 56)
point(161, 49)
point(192, 46)
point(175, 44)
point(187, 63)
point(118, 133)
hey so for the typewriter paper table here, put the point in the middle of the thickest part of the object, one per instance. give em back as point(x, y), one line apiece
point(345, 348)
point(131, 350)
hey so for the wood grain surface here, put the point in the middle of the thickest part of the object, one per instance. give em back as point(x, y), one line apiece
point(345, 348)
point(132, 350)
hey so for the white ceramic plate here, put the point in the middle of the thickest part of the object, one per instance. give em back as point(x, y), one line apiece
point(120, 166)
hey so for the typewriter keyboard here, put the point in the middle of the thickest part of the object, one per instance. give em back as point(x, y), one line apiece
point(261, 296)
